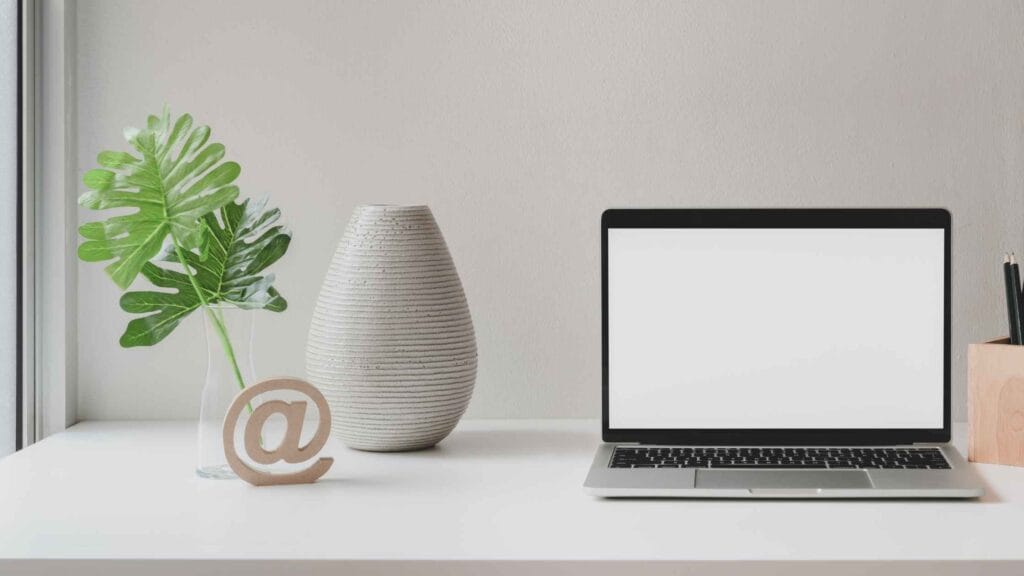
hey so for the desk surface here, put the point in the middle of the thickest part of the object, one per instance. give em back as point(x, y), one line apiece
point(494, 491)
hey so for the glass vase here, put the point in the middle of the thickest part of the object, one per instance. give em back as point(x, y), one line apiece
point(229, 337)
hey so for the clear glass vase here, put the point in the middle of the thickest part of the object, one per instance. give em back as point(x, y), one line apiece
point(229, 337)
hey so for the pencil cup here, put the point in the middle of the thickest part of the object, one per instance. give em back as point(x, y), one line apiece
point(995, 379)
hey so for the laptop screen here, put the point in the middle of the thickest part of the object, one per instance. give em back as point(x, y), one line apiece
point(780, 328)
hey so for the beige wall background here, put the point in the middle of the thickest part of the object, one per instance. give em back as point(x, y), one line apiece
point(519, 122)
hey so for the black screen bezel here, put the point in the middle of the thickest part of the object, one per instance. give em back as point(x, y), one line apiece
point(934, 218)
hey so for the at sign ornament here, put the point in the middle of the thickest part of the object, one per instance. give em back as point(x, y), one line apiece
point(289, 449)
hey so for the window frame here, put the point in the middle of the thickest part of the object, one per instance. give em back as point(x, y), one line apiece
point(24, 389)
point(19, 439)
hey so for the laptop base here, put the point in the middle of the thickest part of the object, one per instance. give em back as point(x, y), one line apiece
point(959, 481)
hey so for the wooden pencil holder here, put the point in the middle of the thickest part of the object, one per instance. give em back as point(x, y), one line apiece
point(995, 379)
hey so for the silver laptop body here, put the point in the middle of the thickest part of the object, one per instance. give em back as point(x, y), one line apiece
point(777, 353)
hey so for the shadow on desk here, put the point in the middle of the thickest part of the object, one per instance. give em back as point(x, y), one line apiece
point(505, 444)
point(991, 496)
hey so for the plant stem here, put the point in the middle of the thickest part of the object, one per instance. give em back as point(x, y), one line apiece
point(222, 332)
point(218, 324)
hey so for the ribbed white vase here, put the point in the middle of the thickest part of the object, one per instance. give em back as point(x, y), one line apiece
point(391, 345)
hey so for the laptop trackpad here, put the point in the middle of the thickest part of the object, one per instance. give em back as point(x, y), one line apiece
point(807, 479)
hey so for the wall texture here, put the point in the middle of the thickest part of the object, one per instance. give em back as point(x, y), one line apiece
point(519, 122)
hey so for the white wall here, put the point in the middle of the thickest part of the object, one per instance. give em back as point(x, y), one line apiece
point(519, 122)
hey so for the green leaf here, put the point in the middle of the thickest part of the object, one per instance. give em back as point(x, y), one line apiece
point(170, 307)
point(174, 183)
point(239, 243)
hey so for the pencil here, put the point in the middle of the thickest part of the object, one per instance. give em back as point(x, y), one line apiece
point(1012, 300)
point(1015, 278)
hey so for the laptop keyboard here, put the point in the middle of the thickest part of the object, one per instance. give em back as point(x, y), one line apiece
point(778, 458)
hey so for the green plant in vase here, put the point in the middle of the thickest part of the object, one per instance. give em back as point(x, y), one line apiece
point(182, 227)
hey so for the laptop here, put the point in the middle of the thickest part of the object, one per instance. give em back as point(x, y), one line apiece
point(777, 354)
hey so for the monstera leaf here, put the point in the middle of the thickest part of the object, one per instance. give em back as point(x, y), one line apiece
point(175, 182)
point(239, 245)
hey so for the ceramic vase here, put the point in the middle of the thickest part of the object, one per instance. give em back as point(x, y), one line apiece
point(391, 344)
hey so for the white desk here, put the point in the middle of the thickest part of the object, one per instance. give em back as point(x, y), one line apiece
point(496, 497)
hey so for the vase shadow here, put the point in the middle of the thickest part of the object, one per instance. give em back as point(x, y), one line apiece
point(499, 444)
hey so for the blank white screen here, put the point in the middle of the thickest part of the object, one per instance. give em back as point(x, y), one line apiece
point(775, 328)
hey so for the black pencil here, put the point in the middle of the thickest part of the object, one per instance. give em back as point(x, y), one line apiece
point(1015, 278)
point(1012, 300)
